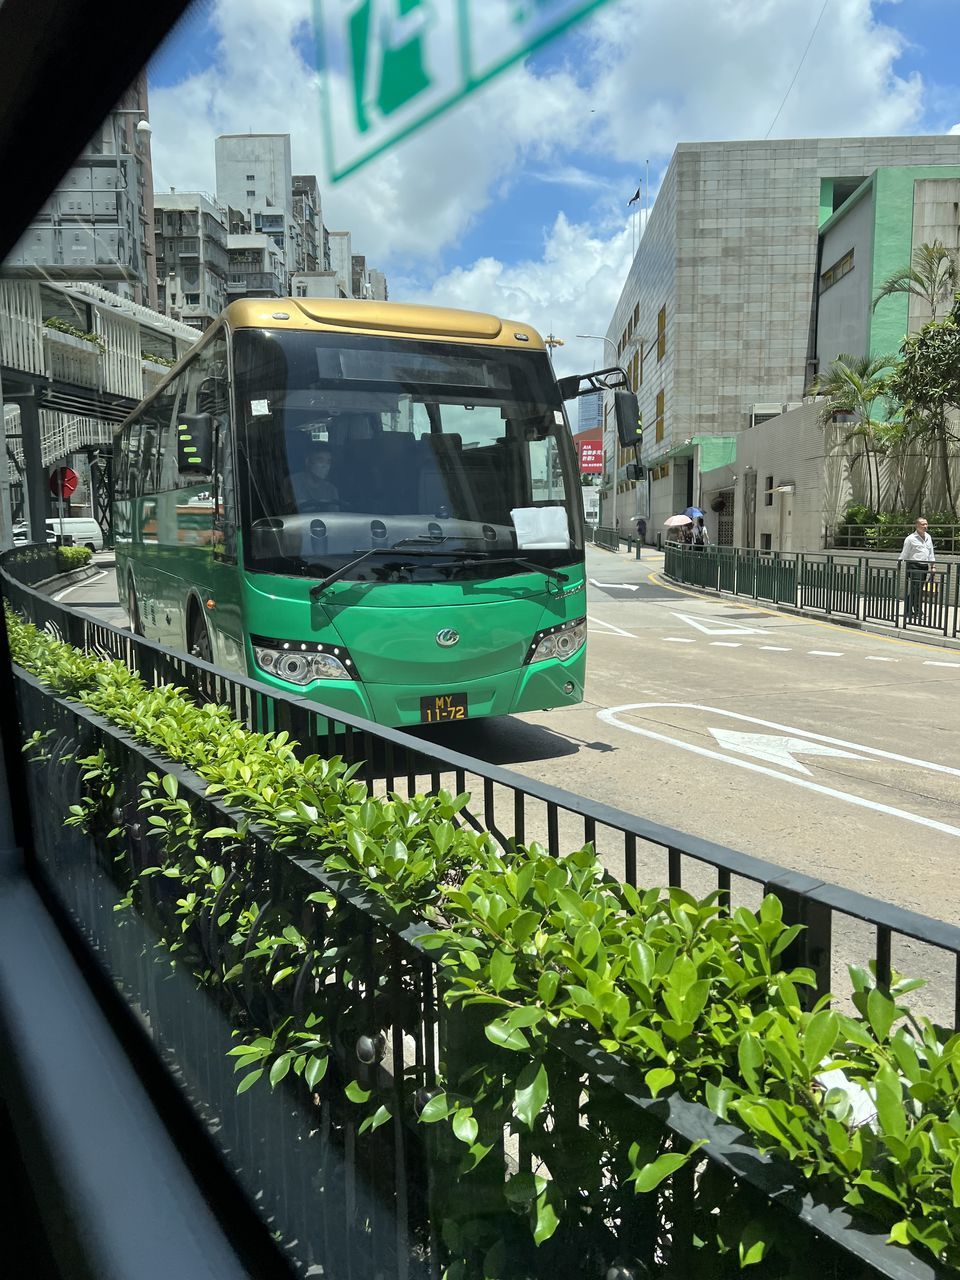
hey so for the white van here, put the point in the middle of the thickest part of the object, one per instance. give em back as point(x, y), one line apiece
point(84, 530)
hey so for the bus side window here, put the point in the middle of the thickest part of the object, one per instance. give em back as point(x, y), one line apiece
point(213, 397)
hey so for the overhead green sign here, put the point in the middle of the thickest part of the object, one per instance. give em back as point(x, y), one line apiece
point(389, 66)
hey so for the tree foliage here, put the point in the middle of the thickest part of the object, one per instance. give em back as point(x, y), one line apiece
point(933, 276)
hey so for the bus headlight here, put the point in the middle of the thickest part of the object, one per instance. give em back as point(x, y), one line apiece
point(561, 641)
point(301, 662)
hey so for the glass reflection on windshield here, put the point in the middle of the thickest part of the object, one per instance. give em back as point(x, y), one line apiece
point(342, 451)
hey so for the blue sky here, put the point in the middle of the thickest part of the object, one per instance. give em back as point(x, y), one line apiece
point(516, 201)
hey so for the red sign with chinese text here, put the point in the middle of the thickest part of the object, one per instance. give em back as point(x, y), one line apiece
point(590, 456)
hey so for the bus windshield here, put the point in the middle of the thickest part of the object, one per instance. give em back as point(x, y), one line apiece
point(443, 460)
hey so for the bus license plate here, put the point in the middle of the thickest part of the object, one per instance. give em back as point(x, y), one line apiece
point(443, 706)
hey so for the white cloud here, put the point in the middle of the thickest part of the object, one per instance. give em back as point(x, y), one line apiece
point(641, 76)
point(954, 128)
point(571, 289)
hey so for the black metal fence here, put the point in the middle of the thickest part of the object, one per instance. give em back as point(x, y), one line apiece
point(367, 1204)
point(608, 538)
point(863, 588)
point(884, 536)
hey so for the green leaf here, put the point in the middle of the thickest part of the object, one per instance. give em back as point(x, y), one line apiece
point(522, 1188)
point(649, 1176)
point(547, 985)
point(752, 1245)
point(280, 1068)
point(501, 970)
point(356, 1092)
point(533, 1089)
point(547, 1220)
point(379, 1117)
point(438, 1108)
point(464, 1125)
point(658, 1079)
point(316, 1070)
point(750, 1059)
point(249, 1080)
point(880, 1012)
point(505, 1036)
point(819, 1037)
point(170, 785)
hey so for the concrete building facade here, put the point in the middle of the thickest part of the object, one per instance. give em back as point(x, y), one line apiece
point(255, 176)
point(192, 261)
point(256, 267)
point(98, 224)
point(717, 319)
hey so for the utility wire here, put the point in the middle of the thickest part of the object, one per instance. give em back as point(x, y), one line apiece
point(798, 70)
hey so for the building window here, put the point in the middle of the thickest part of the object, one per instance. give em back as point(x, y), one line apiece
point(659, 421)
point(661, 333)
point(636, 315)
point(634, 370)
point(251, 177)
point(768, 492)
point(640, 352)
point(301, 290)
point(191, 299)
point(251, 194)
point(766, 542)
point(842, 267)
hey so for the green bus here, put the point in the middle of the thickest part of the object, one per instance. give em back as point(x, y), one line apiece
point(376, 506)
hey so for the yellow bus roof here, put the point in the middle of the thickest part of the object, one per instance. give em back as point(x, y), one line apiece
point(383, 319)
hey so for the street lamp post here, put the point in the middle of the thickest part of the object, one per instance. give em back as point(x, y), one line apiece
point(600, 337)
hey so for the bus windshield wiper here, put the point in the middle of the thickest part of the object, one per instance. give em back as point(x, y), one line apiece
point(473, 562)
point(318, 589)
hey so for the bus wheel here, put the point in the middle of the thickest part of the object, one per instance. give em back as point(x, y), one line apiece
point(133, 613)
point(200, 641)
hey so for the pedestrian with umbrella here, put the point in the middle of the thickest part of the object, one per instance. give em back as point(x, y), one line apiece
point(682, 524)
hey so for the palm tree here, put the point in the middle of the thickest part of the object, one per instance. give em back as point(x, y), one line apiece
point(933, 275)
point(853, 386)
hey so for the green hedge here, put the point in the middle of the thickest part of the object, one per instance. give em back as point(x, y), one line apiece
point(693, 998)
point(69, 558)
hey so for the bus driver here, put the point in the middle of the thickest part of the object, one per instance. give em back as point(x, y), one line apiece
point(311, 487)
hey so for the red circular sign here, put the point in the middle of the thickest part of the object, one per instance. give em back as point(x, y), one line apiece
point(63, 482)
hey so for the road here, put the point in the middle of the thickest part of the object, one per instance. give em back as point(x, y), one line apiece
point(818, 747)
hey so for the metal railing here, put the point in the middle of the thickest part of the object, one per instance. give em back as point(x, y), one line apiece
point(889, 537)
point(363, 1207)
point(860, 588)
point(608, 538)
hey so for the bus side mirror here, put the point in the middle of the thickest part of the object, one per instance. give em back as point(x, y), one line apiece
point(627, 413)
point(195, 443)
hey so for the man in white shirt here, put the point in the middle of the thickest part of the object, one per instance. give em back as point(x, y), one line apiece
point(918, 555)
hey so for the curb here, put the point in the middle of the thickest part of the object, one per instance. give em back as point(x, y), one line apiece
point(66, 579)
point(852, 624)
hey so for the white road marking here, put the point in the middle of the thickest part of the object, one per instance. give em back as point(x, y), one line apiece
point(679, 640)
point(712, 628)
point(726, 644)
point(66, 591)
point(609, 716)
point(776, 648)
point(777, 749)
point(617, 586)
point(600, 623)
point(824, 653)
point(873, 658)
point(929, 663)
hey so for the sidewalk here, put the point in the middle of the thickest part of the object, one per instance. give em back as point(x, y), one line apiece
point(794, 611)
